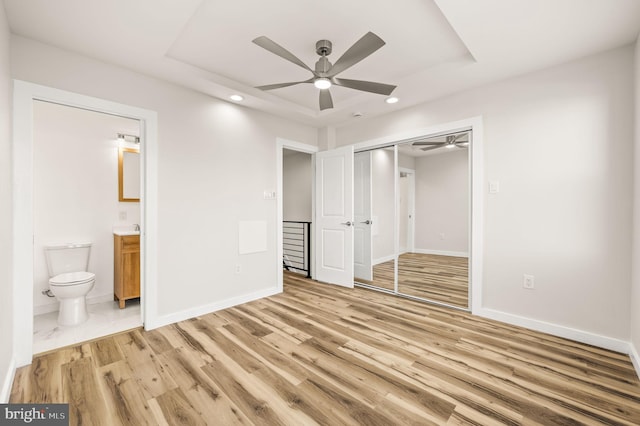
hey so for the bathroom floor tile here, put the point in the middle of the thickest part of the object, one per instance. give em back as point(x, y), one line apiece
point(104, 319)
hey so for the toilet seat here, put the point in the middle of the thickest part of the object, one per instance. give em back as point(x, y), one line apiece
point(72, 278)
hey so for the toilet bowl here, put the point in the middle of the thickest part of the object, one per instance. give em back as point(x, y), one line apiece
point(71, 290)
point(69, 281)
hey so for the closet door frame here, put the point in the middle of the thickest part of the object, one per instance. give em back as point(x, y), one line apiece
point(476, 178)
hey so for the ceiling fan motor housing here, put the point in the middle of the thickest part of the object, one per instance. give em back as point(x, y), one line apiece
point(323, 47)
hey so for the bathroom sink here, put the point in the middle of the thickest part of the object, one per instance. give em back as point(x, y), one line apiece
point(125, 230)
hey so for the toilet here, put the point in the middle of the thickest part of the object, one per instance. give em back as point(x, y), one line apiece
point(69, 281)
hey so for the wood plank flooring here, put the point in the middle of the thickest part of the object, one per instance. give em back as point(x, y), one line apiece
point(443, 279)
point(320, 354)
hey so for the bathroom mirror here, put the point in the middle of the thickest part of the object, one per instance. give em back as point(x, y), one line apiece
point(128, 174)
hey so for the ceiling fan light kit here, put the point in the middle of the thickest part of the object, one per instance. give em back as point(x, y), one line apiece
point(324, 74)
point(322, 83)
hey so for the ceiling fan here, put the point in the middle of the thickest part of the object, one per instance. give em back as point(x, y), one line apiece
point(324, 74)
point(458, 140)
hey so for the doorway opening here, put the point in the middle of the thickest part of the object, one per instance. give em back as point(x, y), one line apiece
point(295, 211)
point(25, 97)
point(78, 181)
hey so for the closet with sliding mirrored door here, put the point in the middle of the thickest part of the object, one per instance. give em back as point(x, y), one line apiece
point(412, 216)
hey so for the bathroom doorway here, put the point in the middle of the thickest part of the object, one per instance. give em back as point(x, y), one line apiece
point(76, 181)
point(31, 214)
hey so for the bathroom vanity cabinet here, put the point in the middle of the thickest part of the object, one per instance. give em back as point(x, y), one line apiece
point(126, 274)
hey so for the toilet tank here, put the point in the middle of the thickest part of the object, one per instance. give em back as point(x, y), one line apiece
point(67, 257)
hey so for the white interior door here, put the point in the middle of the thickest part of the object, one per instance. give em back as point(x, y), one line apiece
point(334, 216)
point(362, 250)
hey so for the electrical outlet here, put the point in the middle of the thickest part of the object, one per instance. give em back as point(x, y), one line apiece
point(442, 235)
point(528, 282)
point(238, 269)
point(123, 215)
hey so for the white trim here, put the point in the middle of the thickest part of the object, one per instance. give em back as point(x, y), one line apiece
point(281, 144)
point(600, 341)
point(163, 320)
point(383, 259)
point(24, 93)
point(442, 252)
point(5, 390)
point(635, 358)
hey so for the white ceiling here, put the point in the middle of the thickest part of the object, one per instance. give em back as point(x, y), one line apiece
point(433, 47)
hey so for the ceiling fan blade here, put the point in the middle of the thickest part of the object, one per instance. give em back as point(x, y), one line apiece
point(428, 143)
point(429, 148)
point(365, 86)
point(280, 85)
point(362, 48)
point(275, 48)
point(325, 100)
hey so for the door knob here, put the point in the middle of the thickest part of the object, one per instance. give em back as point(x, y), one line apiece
point(347, 223)
point(367, 222)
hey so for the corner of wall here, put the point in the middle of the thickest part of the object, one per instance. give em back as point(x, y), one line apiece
point(634, 354)
point(7, 382)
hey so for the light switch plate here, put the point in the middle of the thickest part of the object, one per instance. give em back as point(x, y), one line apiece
point(494, 186)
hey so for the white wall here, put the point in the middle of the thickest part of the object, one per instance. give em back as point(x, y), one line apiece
point(297, 178)
point(215, 160)
point(382, 204)
point(6, 205)
point(442, 203)
point(75, 188)
point(560, 143)
point(635, 259)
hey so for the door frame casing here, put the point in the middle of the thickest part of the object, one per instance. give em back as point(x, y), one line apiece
point(476, 179)
point(24, 94)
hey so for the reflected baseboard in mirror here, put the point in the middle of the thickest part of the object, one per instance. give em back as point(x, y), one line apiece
point(437, 278)
point(382, 276)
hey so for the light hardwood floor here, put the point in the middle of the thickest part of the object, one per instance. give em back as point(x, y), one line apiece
point(443, 279)
point(328, 355)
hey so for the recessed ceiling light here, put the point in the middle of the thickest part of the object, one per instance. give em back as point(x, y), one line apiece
point(236, 98)
point(391, 100)
point(322, 83)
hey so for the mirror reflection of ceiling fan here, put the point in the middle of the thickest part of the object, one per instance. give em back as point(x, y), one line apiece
point(458, 140)
point(324, 74)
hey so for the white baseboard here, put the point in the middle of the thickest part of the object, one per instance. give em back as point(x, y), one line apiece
point(635, 358)
point(383, 259)
point(5, 390)
point(160, 321)
point(615, 345)
point(53, 307)
point(442, 252)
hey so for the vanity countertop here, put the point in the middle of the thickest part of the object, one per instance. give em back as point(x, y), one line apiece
point(125, 230)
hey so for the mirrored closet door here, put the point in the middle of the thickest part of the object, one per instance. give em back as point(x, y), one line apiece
point(374, 214)
point(412, 219)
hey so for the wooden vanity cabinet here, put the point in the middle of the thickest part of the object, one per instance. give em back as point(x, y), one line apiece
point(126, 263)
